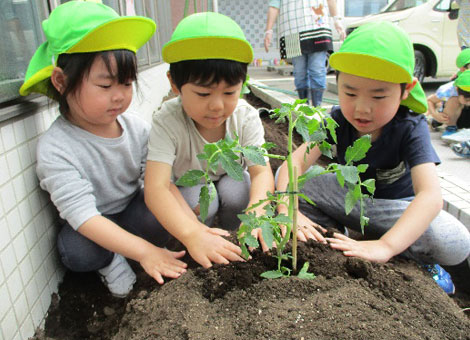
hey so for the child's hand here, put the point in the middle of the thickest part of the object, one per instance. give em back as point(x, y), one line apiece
point(307, 229)
point(375, 251)
point(207, 246)
point(159, 262)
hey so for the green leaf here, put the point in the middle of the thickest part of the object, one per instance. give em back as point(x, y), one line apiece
point(282, 219)
point(267, 232)
point(251, 241)
point(304, 274)
point(301, 126)
point(326, 149)
point(268, 145)
point(272, 274)
point(358, 150)
point(306, 199)
point(254, 154)
point(370, 185)
point(204, 201)
point(312, 172)
point(349, 173)
point(190, 178)
point(361, 168)
point(351, 199)
point(340, 178)
point(331, 125)
point(234, 169)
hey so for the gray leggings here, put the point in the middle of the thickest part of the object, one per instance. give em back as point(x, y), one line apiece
point(231, 198)
point(80, 254)
point(446, 241)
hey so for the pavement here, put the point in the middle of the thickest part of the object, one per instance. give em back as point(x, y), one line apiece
point(275, 85)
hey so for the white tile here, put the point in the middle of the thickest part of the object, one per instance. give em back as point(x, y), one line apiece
point(8, 137)
point(25, 156)
point(27, 329)
point(6, 301)
point(14, 222)
point(41, 278)
point(13, 161)
point(14, 284)
point(32, 293)
point(45, 247)
point(30, 127)
point(36, 259)
point(30, 179)
point(40, 225)
point(30, 235)
point(25, 211)
point(32, 144)
point(2, 277)
point(20, 131)
point(37, 313)
point(26, 269)
point(21, 308)
point(35, 202)
point(2, 148)
point(45, 298)
point(20, 247)
point(20, 188)
point(39, 122)
point(4, 234)
point(44, 198)
point(9, 325)
point(8, 196)
point(4, 173)
point(8, 260)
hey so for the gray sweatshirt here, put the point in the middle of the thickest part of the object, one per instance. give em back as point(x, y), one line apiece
point(87, 175)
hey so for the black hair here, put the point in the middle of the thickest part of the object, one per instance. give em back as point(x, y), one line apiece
point(402, 85)
point(463, 93)
point(76, 67)
point(207, 72)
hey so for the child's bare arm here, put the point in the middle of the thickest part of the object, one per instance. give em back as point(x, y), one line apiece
point(452, 111)
point(410, 226)
point(157, 262)
point(433, 103)
point(204, 244)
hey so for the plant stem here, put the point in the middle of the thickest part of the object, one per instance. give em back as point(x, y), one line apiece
point(294, 223)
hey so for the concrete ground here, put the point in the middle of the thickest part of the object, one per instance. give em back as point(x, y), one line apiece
point(451, 163)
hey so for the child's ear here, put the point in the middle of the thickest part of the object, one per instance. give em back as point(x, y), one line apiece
point(174, 88)
point(409, 87)
point(59, 79)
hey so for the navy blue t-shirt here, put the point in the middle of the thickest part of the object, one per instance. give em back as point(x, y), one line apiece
point(404, 143)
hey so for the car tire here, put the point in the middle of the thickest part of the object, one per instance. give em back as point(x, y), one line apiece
point(420, 66)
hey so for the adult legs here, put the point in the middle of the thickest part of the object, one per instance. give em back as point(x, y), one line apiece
point(301, 75)
point(446, 241)
point(317, 76)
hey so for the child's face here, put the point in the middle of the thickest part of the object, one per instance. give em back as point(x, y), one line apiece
point(209, 106)
point(100, 99)
point(369, 104)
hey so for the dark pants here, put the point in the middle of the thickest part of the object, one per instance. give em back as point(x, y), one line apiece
point(80, 254)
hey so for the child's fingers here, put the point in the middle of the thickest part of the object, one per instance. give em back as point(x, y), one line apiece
point(178, 255)
point(219, 232)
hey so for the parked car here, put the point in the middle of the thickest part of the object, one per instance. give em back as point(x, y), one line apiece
point(432, 32)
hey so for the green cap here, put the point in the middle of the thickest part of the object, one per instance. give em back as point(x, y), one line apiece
point(463, 81)
point(207, 35)
point(463, 58)
point(79, 27)
point(381, 51)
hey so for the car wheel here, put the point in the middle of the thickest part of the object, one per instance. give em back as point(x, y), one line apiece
point(420, 66)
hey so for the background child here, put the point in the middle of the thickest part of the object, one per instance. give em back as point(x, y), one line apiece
point(379, 96)
point(449, 104)
point(208, 55)
point(92, 158)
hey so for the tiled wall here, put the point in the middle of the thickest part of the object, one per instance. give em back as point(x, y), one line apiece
point(29, 266)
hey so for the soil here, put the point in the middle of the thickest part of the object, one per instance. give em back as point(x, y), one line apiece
point(348, 299)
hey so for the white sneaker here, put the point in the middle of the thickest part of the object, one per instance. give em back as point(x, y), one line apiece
point(118, 276)
point(460, 136)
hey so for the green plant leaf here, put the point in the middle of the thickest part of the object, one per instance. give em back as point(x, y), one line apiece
point(272, 274)
point(190, 178)
point(282, 219)
point(312, 172)
point(268, 145)
point(267, 232)
point(349, 173)
point(361, 168)
point(234, 169)
point(251, 241)
point(254, 154)
point(340, 178)
point(204, 201)
point(358, 150)
point(370, 185)
point(306, 198)
point(351, 198)
point(304, 274)
point(331, 125)
point(325, 149)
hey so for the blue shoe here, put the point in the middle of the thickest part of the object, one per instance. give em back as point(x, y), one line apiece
point(441, 277)
point(462, 149)
point(450, 130)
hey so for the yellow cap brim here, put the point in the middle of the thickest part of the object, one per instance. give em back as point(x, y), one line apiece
point(369, 66)
point(208, 48)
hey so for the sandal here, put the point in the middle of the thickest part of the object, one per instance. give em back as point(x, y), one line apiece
point(461, 149)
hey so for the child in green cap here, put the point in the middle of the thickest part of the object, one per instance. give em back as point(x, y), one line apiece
point(449, 105)
point(379, 96)
point(92, 158)
point(208, 56)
